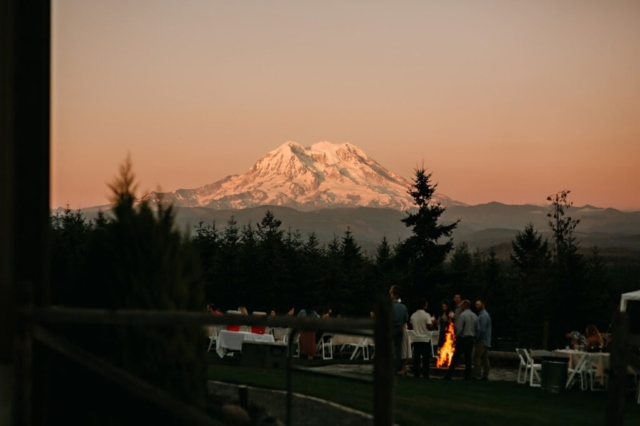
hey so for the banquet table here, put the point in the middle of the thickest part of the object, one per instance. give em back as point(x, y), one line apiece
point(580, 360)
point(360, 344)
point(232, 340)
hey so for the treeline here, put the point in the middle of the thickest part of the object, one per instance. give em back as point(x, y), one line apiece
point(545, 289)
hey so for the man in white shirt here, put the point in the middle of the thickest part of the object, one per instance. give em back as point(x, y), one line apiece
point(422, 323)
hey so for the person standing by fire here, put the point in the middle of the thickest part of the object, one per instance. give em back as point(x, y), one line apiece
point(466, 326)
point(400, 319)
point(446, 317)
point(457, 301)
point(483, 342)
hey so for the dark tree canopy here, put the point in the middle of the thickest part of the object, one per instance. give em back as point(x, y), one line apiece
point(431, 241)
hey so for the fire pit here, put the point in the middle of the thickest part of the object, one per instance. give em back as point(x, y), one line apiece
point(440, 372)
point(445, 355)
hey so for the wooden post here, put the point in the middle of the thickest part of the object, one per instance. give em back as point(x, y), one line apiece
point(8, 319)
point(243, 397)
point(26, 44)
point(290, 343)
point(618, 370)
point(384, 375)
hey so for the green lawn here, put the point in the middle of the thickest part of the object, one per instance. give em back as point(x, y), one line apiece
point(439, 402)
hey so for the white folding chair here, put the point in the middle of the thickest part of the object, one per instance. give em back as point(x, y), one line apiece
point(360, 347)
point(579, 370)
point(325, 346)
point(523, 367)
point(534, 369)
point(531, 369)
point(591, 371)
point(213, 337)
point(433, 350)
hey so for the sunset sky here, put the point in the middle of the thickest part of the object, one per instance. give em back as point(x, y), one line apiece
point(504, 101)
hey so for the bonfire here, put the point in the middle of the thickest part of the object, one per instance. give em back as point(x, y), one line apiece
point(445, 354)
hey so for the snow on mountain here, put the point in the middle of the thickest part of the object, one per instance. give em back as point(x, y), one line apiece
point(323, 175)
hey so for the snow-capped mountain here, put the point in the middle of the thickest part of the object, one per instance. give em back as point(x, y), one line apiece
point(305, 178)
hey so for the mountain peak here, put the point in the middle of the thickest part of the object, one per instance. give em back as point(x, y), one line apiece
point(323, 175)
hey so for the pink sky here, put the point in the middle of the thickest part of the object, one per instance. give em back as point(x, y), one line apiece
point(505, 101)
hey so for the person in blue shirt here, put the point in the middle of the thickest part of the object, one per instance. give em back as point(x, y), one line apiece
point(400, 319)
point(483, 343)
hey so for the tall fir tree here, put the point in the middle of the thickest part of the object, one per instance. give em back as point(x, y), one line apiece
point(535, 291)
point(431, 242)
point(569, 263)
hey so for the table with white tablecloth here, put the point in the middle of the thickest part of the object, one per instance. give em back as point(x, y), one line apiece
point(360, 344)
point(586, 360)
point(232, 340)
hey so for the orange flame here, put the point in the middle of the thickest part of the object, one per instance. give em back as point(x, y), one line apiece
point(445, 354)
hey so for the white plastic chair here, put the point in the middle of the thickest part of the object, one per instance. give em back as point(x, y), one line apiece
point(360, 347)
point(591, 371)
point(296, 342)
point(213, 337)
point(580, 370)
point(325, 346)
point(433, 334)
point(531, 369)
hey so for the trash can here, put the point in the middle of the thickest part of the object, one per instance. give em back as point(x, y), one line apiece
point(264, 355)
point(554, 374)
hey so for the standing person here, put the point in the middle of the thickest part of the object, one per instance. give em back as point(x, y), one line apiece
point(421, 322)
point(483, 342)
point(457, 300)
point(444, 320)
point(466, 325)
point(400, 318)
point(308, 338)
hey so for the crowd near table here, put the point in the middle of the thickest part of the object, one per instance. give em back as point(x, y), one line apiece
point(232, 340)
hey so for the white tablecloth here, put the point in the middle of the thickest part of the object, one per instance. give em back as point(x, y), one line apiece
point(598, 360)
point(232, 340)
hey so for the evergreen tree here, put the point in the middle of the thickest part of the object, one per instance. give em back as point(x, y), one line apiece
point(530, 254)
point(71, 236)
point(383, 253)
point(206, 243)
point(311, 247)
point(568, 262)
point(228, 268)
point(425, 250)
point(600, 298)
point(535, 292)
point(269, 228)
point(460, 270)
point(140, 261)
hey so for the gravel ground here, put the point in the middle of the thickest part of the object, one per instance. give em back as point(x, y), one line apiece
point(496, 374)
point(315, 412)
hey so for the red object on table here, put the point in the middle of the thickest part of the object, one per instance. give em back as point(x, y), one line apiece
point(258, 330)
point(233, 328)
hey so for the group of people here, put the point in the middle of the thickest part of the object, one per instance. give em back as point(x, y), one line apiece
point(592, 340)
point(472, 331)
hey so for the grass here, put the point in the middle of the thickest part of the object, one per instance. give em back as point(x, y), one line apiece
point(439, 402)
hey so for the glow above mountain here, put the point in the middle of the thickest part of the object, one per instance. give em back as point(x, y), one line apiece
point(323, 175)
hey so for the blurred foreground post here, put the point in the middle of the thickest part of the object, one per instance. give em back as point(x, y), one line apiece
point(383, 373)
